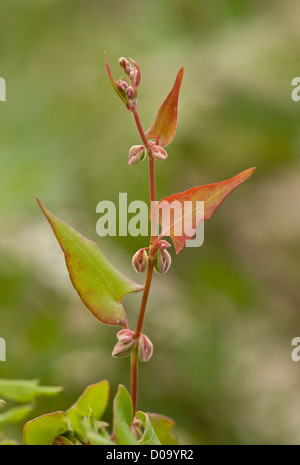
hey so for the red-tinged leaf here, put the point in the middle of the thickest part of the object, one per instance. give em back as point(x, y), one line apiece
point(181, 221)
point(100, 286)
point(163, 426)
point(164, 126)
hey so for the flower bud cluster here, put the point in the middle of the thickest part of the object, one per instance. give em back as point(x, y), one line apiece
point(132, 71)
point(127, 342)
point(129, 90)
point(138, 153)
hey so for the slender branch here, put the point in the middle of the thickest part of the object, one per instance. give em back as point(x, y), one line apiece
point(134, 377)
point(134, 354)
point(154, 246)
point(144, 298)
point(152, 201)
point(151, 170)
point(139, 126)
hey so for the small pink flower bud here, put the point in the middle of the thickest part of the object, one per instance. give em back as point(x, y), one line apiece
point(126, 343)
point(122, 84)
point(131, 92)
point(162, 261)
point(158, 152)
point(137, 153)
point(145, 350)
point(123, 349)
point(162, 245)
point(140, 260)
point(134, 76)
point(124, 63)
point(131, 96)
point(138, 75)
point(125, 335)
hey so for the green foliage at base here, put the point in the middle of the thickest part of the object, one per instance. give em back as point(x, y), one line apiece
point(82, 423)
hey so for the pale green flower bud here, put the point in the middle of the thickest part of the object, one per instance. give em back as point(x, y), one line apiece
point(162, 261)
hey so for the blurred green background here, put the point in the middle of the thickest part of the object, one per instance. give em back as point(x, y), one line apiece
point(223, 318)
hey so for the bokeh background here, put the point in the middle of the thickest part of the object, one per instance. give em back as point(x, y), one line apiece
point(223, 318)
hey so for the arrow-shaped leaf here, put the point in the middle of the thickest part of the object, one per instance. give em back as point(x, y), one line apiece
point(188, 211)
point(164, 126)
point(100, 286)
point(123, 412)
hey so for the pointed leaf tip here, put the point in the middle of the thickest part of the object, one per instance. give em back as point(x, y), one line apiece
point(108, 69)
point(99, 285)
point(114, 83)
point(163, 128)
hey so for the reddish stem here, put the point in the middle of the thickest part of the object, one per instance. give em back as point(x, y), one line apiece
point(140, 129)
point(134, 354)
point(154, 247)
point(134, 378)
point(144, 298)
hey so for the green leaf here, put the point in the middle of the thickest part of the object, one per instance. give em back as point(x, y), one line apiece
point(100, 286)
point(163, 128)
point(15, 414)
point(123, 413)
point(43, 430)
point(92, 402)
point(21, 390)
point(93, 436)
point(100, 424)
point(149, 436)
point(163, 426)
